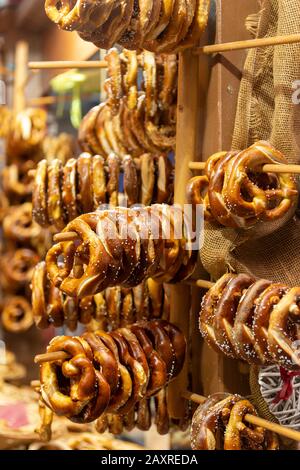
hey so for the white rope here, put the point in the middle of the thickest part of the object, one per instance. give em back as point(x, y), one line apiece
point(286, 411)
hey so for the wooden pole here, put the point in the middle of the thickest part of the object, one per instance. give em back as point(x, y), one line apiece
point(186, 140)
point(269, 168)
point(248, 44)
point(21, 61)
point(68, 64)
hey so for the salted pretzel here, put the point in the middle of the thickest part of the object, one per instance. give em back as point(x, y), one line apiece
point(273, 202)
point(113, 84)
point(26, 134)
point(197, 26)
point(113, 179)
point(164, 180)
point(113, 305)
point(283, 330)
point(262, 314)
point(55, 210)
point(69, 189)
point(224, 314)
point(39, 194)
point(210, 421)
point(241, 436)
point(17, 268)
point(16, 314)
point(47, 302)
point(130, 63)
point(131, 181)
point(19, 226)
point(143, 418)
point(147, 178)
point(85, 180)
point(99, 181)
point(244, 341)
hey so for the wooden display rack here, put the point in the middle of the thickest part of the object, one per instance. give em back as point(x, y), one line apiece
point(209, 80)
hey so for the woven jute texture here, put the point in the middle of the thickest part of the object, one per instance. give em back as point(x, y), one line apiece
point(265, 111)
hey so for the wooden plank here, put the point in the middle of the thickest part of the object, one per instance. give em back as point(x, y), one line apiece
point(186, 141)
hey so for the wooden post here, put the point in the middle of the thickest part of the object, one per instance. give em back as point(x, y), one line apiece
point(21, 61)
point(186, 141)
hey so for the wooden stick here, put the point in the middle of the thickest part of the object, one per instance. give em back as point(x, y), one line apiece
point(269, 168)
point(200, 283)
point(68, 64)
point(35, 384)
point(256, 420)
point(21, 60)
point(249, 44)
point(51, 357)
point(65, 237)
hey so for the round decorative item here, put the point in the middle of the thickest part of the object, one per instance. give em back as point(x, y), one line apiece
point(276, 392)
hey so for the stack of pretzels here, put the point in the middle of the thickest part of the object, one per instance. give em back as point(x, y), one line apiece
point(110, 309)
point(135, 119)
point(24, 241)
point(159, 26)
point(219, 424)
point(111, 372)
point(236, 193)
point(61, 193)
point(122, 247)
point(253, 320)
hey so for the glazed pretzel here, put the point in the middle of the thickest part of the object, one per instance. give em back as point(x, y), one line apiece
point(16, 315)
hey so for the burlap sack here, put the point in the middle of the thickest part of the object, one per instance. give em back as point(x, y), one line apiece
point(265, 111)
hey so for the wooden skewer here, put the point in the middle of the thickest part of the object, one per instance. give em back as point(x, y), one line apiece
point(256, 420)
point(269, 168)
point(35, 384)
point(51, 357)
point(65, 237)
point(200, 283)
point(68, 64)
point(248, 44)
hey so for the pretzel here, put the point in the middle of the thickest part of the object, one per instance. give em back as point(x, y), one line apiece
point(156, 296)
point(262, 313)
point(157, 366)
point(129, 420)
point(113, 305)
point(85, 179)
point(121, 396)
point(87, 137)
point(143, 416)
point(99, 181)
point(136, 351)
point(225, 312)
point(244, 340)
point(79, 370)
point(167, 93)
point(210, 420)
point(69, 188)
point(4, 205)
point(147, 178)
point(239, 435)
point(16, 315)
point(137, 119)
point(17, 267)
point(113, 84)
point(161, 135)
point(198, 25)
point(164, 180)
point(131, 182)
point(19, 226)
point(208, 306)
point(113, 179)
point(161, 412)
point(178, 343)
point(39, 195)
point(15, 180)
point(283, 332)
point(138, 375)
point(271, 203)
point(129, 58)
point(70, 310)
point(115, 424)
point(54, 200)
